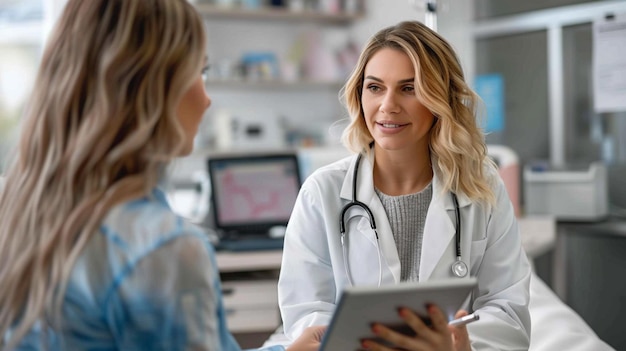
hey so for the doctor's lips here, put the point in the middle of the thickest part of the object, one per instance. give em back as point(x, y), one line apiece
point(386, 124)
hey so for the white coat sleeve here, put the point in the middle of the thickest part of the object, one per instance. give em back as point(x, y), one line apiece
point(502, 295)
point(309, 301)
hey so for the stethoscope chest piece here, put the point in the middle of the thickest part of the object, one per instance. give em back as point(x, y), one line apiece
point(459, 269)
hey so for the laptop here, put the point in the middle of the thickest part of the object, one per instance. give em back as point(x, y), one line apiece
point(252, 196)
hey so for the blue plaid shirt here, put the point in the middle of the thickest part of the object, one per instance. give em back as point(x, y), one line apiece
point(147, 280)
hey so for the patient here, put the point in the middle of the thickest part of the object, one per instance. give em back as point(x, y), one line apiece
point(91, 256)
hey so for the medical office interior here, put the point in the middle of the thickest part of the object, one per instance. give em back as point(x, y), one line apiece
point(552, 75)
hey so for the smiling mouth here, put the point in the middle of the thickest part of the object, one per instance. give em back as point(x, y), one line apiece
point(391, 125)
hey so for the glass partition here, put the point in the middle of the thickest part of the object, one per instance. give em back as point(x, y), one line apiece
point(488, 9)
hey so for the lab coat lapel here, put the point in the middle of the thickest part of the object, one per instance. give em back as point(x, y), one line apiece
point(346, 187)
point(438, 231)
point(367, 195)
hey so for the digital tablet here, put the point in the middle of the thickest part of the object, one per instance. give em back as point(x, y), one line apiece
point(359, 307)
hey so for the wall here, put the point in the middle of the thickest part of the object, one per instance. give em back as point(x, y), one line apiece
point(381, 14)
point(454, 22)
point(315, 108)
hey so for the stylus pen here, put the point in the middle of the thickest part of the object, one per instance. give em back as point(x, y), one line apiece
point(464, 320)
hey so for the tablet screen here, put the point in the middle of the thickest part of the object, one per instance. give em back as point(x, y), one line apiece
point(359, 307)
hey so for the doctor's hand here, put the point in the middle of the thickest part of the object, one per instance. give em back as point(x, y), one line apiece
point(309, 340)
point(438, 336)
point(460, 336)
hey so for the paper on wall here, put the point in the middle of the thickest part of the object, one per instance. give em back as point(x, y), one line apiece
point(609, 63)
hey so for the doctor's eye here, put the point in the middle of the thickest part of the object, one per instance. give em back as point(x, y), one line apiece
point(373, 88)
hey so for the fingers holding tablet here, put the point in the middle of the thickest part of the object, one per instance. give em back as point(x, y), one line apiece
point(360, 308)
point(431, 333)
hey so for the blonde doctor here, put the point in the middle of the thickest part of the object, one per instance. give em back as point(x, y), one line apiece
point(419, 201)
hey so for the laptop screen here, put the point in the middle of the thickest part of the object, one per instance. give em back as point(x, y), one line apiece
point(253, 193)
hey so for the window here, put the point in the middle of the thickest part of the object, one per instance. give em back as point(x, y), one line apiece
point(24, 25)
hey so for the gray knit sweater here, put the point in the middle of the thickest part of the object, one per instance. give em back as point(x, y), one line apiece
point(407, 215)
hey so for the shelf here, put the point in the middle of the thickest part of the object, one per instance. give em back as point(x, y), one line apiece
point(273, 84)
point(274, 14)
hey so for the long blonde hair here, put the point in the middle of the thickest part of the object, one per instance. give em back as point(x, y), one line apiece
point(456, 141)
point(100, 129)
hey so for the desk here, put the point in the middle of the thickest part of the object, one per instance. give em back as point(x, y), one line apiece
point(538, 234)
point(538, 239)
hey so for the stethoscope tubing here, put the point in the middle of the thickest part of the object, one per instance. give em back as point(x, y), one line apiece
point(459, 268)
point(457, 228)
point(355, 202)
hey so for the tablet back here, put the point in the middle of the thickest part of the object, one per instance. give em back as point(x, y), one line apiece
point(359, 307)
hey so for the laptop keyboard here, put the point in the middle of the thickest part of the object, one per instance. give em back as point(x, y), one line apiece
point(249, 244)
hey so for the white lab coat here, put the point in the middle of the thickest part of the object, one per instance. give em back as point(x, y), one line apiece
point(313, 272)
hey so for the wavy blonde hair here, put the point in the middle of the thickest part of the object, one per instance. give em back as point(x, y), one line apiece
point(456, 141)
point(100, 129)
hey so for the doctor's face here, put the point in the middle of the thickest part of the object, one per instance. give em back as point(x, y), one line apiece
point(393, 114)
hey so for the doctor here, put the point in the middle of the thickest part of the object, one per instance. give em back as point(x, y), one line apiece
point(420, 201)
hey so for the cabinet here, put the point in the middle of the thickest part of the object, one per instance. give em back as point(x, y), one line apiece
point(276, 68)
point(589, 261)
point(249, 287)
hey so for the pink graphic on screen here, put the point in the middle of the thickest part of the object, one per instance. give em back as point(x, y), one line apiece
point(255, 192)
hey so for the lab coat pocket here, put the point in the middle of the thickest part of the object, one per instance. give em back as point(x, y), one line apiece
point(477, 252)
point(363, 257)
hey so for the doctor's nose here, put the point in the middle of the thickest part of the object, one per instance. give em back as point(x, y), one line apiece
point(389, 103)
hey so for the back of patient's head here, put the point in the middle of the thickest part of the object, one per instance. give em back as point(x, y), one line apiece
point(108, 85)
point(99, 128)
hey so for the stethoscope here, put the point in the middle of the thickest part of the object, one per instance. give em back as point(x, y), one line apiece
point(458, 267)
